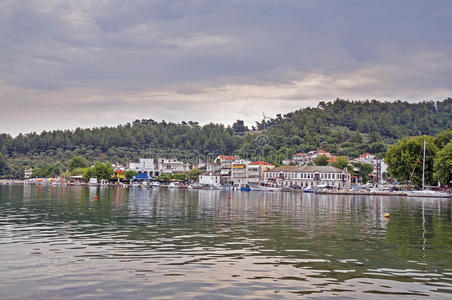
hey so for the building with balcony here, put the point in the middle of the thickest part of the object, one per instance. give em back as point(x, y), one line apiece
point(239, 174)
point(145, 165)
point(223, 165)
point(307, 176)
point(172, 166)
point(256, 171)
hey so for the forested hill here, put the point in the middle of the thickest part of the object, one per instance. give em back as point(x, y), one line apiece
point(342, 127)
point(391, 120)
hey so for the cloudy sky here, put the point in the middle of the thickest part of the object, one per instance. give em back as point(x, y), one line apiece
point(85, 63)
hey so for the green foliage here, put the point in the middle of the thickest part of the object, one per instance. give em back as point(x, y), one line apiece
point(88, 173)
point(364, 171)
point(130, 174)
point(164, 178)
point(3, 165)
point(378, 148)
point(345, 128)
point(239, 127)
point(100, 170)
point(48, 171)
point(179, 176)
point(78, 162)
point(341, 162)
point(77, 172)
point(403, 157)
point(193, 175)
point(443, 138)
point(443, 165)
point(168, 177)
point(322, 160)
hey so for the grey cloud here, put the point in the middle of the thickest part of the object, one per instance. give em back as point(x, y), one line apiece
point(130, 50)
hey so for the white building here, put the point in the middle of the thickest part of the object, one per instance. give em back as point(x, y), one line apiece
point(146, 165)
point(378, 164)
point(310, 157)
point(28, 173)
point(306, 176)
point(256, 171)
point(239, 173)
point(172, 166)
point(210, 179)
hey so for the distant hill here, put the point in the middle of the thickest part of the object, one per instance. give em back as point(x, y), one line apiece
point(341, 127)
point(352, 127)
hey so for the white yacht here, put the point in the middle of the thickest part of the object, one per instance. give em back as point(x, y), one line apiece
point(427, 193)
point(257, 187)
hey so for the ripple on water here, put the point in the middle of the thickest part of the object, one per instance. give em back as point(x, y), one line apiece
point(178, 244)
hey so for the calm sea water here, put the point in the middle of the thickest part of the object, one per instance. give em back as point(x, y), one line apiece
point(59, 243)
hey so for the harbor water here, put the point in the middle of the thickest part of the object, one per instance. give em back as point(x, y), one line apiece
point(65, 243)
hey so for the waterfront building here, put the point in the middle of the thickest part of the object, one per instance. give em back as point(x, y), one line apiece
point(119, 174)
point(238, 172)
point(223, 165)
point(307, 176)
point(145, 165)
point(28, 173)
point(172, 166)
point(256, 171)
point(211, 179)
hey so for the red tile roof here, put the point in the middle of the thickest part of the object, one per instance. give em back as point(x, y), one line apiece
point(261, 162)
point(300, 154)
point(227, 157)
point(365, 154)
point(321, 151)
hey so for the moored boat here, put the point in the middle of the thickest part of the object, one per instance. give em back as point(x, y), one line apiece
point(262, 188)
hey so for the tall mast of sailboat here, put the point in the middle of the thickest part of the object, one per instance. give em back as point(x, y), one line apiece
point(423, 169)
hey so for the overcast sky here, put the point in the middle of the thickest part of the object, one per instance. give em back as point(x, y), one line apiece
point(65, 64)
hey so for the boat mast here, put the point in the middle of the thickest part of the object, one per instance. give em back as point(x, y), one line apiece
point(423, 169)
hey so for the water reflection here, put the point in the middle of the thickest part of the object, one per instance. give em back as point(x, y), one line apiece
point(139, 243)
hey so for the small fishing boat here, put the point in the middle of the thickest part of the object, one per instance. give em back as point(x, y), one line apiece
point(155, 184)
point(310, 190)
point(245, 188)
point(262, 188)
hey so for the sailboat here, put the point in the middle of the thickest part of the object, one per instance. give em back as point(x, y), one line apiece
point(427, 193)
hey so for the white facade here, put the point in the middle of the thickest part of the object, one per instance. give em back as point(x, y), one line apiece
point(210, 179)
point(28, 173)
point(172, 166)
point(146, 165)
point(306, 176)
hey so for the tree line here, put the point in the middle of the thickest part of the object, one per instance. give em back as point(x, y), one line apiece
point(344, 128)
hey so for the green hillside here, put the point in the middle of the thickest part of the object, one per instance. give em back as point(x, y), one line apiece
point(341, 127)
